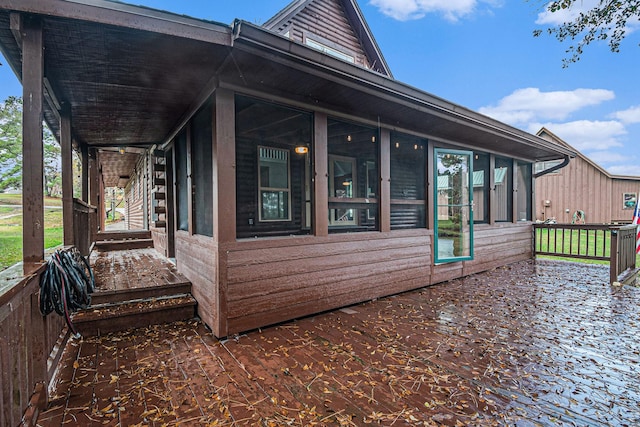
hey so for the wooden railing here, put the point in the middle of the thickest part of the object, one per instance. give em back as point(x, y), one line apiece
point(29, 350)
point(615, 244)
point(85, 220)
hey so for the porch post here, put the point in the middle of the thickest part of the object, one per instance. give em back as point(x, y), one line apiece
point(224, 197)
point(67, 176)
point(32, 147)
point(492, 189)
point(94, 192)
point(84, 154)
point(384, 196)
point(320, 176)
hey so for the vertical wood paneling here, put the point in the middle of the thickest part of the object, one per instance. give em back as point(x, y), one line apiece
point(582, 186)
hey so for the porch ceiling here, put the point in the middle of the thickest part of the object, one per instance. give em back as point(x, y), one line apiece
point(124, 86)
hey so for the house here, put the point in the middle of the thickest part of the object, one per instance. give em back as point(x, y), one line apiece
point(282, 166)
point(583, 186)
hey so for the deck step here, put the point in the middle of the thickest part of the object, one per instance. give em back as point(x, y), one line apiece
point(120, 245)
point(107, 318)
point(123, 235)
point(127, 295)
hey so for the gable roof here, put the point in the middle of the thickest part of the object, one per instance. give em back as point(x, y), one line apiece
point(550, 136)
point(307, 17)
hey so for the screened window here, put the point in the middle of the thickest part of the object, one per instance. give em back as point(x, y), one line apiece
point(523, 202)
point(273, 169)
point(182, 187)
point(408, 185)
point(481, 188)
point(503, 189)
point(353, 177)
point(201, 149)
point(274, 184)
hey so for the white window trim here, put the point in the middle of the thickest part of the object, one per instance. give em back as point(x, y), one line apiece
point(261, 188)
point(354, 180)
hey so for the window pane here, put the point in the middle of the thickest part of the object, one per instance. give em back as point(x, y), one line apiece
point(275, 205)
point(407, 181)
point(353, 177)
point(182, 187)
point(274, 168)
point(504, 189)
point(480, 188)
point(524, 192)
point(202, 157)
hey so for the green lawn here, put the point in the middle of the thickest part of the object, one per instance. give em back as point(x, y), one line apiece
point(11, 228)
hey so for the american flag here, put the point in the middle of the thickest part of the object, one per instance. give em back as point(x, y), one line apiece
point(636, 221)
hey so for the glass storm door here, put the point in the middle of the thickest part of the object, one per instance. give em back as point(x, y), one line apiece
point(454, 205)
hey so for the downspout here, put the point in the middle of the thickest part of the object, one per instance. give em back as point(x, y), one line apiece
point(564, 163)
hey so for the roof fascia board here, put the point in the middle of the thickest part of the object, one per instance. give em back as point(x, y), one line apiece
point(263, 42)
point(124, 15)
point(286, 13)
point(368, 34)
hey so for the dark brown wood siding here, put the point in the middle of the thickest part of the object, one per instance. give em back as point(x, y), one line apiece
point(328, 20)
point(196, 258)
point(27, 339)
point(272, 280)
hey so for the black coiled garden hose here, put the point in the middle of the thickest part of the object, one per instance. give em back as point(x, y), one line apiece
point(66, 284)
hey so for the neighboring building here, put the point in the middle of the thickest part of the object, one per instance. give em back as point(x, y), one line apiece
point(287, 172)
point(583, 186)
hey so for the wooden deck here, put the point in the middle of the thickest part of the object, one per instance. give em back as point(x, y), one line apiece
point(526, 345)
point(134, 287)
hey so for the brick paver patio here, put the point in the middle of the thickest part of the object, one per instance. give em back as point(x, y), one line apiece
point(530, 344)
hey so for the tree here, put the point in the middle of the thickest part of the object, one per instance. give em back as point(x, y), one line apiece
point(11, 150)
point(11, 143)
point(607, 21)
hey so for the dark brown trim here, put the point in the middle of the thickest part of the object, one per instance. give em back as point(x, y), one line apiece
point(129, 16)
point(32, 148)
point(320, 175)
point(189, 180)
point(430, 186)
point(385, 180)
point(225, 159)
point(84, 158)
point(67, 176)
point(492, 189)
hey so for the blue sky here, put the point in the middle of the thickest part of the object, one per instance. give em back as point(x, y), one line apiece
point(481, 54)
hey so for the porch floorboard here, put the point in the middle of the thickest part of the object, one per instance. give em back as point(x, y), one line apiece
point(534, 343)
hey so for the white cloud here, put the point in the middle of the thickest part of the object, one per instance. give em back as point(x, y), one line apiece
point(586, 135)
point(530, 104)
point(606, 157)
point(565, 15)
point(628, 170)
point(628, 116)
point(570, 14)
point(452, 10)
